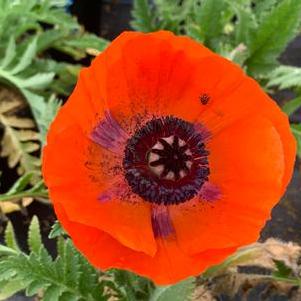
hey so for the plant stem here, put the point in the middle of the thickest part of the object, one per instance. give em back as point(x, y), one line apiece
point(25, 194)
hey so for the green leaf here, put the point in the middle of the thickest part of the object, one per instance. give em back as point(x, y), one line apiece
point(263, 7)
point(209, 19)
point(53, 292)
point(34, 287)
point(9, 53)
point(10, 238)
point(246, 22)
point(26, 58)
point(285, 77)
point(296, 129)
point(292, 105)
point(68, 277)
point(67, 296)
point(56, 230)
point(37, 81)
point(178, 292)
point(47, 116)
point(282, 270)
point(34, 236)
point(143, 16)
point(20, 184)
point(272, 36)
point(7, 250)
point(10, 288)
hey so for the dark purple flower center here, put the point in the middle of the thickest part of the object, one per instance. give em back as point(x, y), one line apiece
point(165, 161)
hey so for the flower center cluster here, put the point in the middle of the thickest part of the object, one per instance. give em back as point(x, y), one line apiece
point(165, 161)
point(170, 158)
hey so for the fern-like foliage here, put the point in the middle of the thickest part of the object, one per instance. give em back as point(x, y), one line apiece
point(285, 77)
point(30, 32)
point(272, 36)
point(160, 14)
point(44, 26)
point(252, 33)
point(69, 276)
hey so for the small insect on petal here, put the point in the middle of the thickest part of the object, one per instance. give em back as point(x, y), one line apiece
point(204, 98)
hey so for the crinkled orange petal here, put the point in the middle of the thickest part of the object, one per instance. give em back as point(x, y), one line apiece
point(169, 265)
point(148, 74)
point(249, 173)
point(67, 175)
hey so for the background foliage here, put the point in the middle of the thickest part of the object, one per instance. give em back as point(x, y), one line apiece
point(41, 51)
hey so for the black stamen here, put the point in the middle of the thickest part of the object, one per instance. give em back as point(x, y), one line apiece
point(165, 161)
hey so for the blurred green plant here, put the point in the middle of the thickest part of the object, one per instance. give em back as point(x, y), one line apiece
point(33, 35)
point(252, 33)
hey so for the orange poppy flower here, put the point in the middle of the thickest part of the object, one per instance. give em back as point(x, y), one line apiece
point(166, 158)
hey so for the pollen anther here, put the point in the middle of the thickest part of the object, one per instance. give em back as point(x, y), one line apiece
point(170, 158)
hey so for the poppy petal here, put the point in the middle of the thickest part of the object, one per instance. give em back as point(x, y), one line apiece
point(80, 183)
point(248, 189)
point(160, 152)
point(167, 266)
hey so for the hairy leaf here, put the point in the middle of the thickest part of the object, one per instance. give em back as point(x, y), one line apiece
point(285, 77)
point(178, 292)
point(292, 105)
point(296, 129)
point(143, 16)
point(34, 236)
point(67, 277)
point(272, 36)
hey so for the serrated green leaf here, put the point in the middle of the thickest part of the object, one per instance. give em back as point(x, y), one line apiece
point(7, 251)
point(292, 105)
point(52, 293)
point(263, 7)
point(34, 236)
point(246, 22)
point(68, 296)
point(47, 38)
point(143, 16)
point(87, 41)
point(9, 53)
point(6, 273)
point(56, 230)
point(33, 287)
point(21, 183)
point(11, 287)
point(282, 270)
point(296, 129)
point(208, 17)
point(37, 81)
point(285, 77)
point(47, 116)
point(26, 58)
point(272, 35)
point(10, 238)
point(178, 292)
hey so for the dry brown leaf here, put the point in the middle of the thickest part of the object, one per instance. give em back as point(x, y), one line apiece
point(20, 139)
